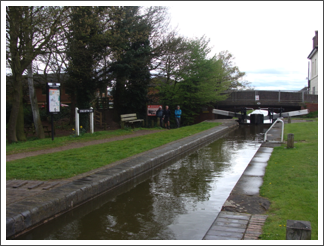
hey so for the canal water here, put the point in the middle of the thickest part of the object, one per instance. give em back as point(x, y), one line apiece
point(178, 201)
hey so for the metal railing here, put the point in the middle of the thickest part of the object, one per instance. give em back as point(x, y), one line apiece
point(280, 96)
point(282, 130)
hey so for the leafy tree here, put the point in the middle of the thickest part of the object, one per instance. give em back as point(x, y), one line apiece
point(132, 57)
point(197, 80)
point(231, 73)
point(86, 45)
point(29, 30)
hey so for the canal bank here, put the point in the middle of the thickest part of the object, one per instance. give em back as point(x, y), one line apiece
point(241, 217)
point(38, 208)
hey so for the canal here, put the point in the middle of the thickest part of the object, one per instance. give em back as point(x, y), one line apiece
point(177, 201)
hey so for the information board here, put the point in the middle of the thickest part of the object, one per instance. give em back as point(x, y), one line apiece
point(151, 109)
point(54, 100)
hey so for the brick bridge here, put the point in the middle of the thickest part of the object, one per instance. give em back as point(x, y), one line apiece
point(289, 100)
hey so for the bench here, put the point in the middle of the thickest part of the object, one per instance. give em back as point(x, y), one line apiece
point(129, 119)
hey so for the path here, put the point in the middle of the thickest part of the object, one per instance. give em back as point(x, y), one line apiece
point(79, 145)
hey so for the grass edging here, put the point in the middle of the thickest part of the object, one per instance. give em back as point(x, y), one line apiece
point(48, 143)
point(291, 182)
point(69, 163)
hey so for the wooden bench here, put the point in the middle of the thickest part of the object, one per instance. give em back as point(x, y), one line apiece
point(129, 119)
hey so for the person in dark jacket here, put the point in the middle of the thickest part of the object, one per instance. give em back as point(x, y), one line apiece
point(166, 117)
point(159, 114)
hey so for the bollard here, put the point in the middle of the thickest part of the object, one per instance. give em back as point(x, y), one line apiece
point(290, 141)
point(289, 119)
point(298, 230)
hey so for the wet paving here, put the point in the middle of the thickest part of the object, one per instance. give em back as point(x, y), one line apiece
point(179, 201)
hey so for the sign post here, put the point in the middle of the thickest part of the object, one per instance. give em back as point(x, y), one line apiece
point(53, 98)
point(77, 124)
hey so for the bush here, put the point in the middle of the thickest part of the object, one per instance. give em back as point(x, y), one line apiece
point(313, 114)
point(28, 114)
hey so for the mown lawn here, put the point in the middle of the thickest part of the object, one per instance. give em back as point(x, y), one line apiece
point(291, 182)
point(72, 162)
point(47, 143)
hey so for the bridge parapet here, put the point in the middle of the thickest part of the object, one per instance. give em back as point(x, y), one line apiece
point(261, 97)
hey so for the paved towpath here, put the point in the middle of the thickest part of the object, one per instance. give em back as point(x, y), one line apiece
point(242, 215)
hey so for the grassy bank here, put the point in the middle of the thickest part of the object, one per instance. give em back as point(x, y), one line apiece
point(291, 182)
point(47, 143)
point(72, 162)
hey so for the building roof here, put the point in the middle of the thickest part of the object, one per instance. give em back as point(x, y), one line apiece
point(312, 53)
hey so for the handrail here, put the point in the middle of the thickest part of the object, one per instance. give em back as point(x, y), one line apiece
point(282, 129)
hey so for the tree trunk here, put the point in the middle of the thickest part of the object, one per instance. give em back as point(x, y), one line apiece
point(16, 98)
point(21, 136)
point(33, 101)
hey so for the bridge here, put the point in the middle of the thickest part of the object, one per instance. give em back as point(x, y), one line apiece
point(289, 100)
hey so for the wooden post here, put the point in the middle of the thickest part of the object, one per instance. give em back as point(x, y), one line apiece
point(298, 230)
point(289, 119)
point(290, 141)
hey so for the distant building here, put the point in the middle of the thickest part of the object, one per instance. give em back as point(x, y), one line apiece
point(313, 76)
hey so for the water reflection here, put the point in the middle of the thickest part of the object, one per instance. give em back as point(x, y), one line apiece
point(179, 202)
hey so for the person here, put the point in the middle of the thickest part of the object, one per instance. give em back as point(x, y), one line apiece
point(159, 114)
point(178, 113)
point(166, 117)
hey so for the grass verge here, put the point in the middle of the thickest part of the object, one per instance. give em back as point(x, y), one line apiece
point(291, 182)
point(48, 143)
point(68, 163)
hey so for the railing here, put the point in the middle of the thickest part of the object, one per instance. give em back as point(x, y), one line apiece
point(271, 96)
point(282, 129)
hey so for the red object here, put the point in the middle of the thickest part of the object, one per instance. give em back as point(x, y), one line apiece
point(151, 109)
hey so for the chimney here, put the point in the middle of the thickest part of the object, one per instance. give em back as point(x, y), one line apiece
point(315, 40)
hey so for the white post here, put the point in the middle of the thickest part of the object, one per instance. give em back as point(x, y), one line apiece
point(77, 130)
point(91, 121)
point(282, 130)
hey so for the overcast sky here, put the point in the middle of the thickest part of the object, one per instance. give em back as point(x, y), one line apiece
point(269, 40)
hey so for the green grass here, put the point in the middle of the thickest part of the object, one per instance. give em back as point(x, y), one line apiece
point(72, 162)
point(47, 143)
point(291, 182)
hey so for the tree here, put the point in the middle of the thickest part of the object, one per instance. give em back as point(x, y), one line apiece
point(231, 73)
point(33, 101)
point(130, 68)
point(134, 54)
point(85, 49)
point(29, 30)
point(196, 79)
